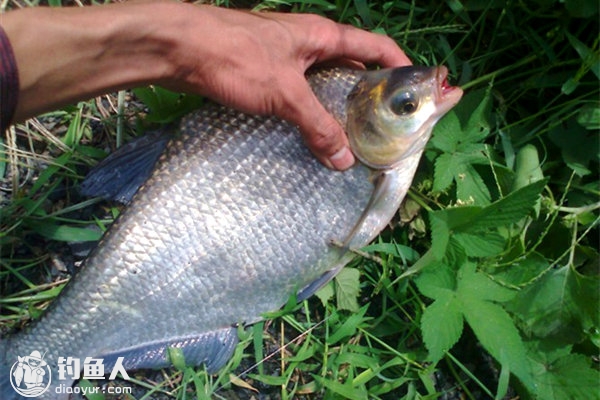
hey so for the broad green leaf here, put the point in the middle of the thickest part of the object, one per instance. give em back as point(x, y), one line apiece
point(539, 308)
point(444, 221)
point(166, 106)
point(456, 218)
point(478, 221)
point(440, 233)
point(347, 289)
point(445, 167)
point(497, 333)
point(474, 110)
point(459, 137)
point(325, 293)
point(421, 264)
point(523, 269)
point(570, 377)
point(586, 298)
point(441, 325)
point(157, 98)
point(436, 279)
point(480, 245)
point(546, 308)
point(503, 382)
point(473, 283)
point(474, 153)
point(508, 210)
point(579, 147)
point(546, 352)
point(457, 167)
point(406, 253)
point(455, 253)
point(446, 133)
point(478, 126)
point(562, 305)
point(470, 187)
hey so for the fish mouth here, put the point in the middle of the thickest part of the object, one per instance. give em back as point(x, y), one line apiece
point(447, 95)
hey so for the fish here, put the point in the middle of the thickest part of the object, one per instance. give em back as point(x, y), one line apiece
point(227, 218)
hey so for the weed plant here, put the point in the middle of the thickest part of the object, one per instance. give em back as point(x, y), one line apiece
point(485, 285)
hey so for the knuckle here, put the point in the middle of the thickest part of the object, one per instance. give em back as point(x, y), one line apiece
point(324, 33)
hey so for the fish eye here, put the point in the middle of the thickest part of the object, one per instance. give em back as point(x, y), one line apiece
point(404, 103)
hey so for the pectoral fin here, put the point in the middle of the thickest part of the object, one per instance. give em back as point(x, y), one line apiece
point(390, 188)
point(323, 280)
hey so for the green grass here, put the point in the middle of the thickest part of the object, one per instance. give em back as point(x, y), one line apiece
point(480, 286)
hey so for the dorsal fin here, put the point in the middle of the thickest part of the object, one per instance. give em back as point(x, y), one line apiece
point(120, 175)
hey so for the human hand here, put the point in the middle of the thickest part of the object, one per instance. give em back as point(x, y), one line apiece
point(255, 62)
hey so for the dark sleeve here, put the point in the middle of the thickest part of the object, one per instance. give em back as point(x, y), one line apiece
point(9, 82)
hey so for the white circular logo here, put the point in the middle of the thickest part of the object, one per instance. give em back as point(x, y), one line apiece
point(30, 375)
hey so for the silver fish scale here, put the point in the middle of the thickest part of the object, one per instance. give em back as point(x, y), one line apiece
point(236, 218)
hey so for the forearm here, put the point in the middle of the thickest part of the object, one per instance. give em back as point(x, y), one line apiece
point(254, 62)
point(65, 55)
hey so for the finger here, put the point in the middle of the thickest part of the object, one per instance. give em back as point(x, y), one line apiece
point(326, 40)
point(322, 134)
point(328, 141)
point(367, 47)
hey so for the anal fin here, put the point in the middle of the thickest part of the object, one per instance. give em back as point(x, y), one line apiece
point(213, 349)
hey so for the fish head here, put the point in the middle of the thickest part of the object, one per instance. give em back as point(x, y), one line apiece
point(391, 112)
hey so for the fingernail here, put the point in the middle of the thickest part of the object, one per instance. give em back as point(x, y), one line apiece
point(343, 159)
